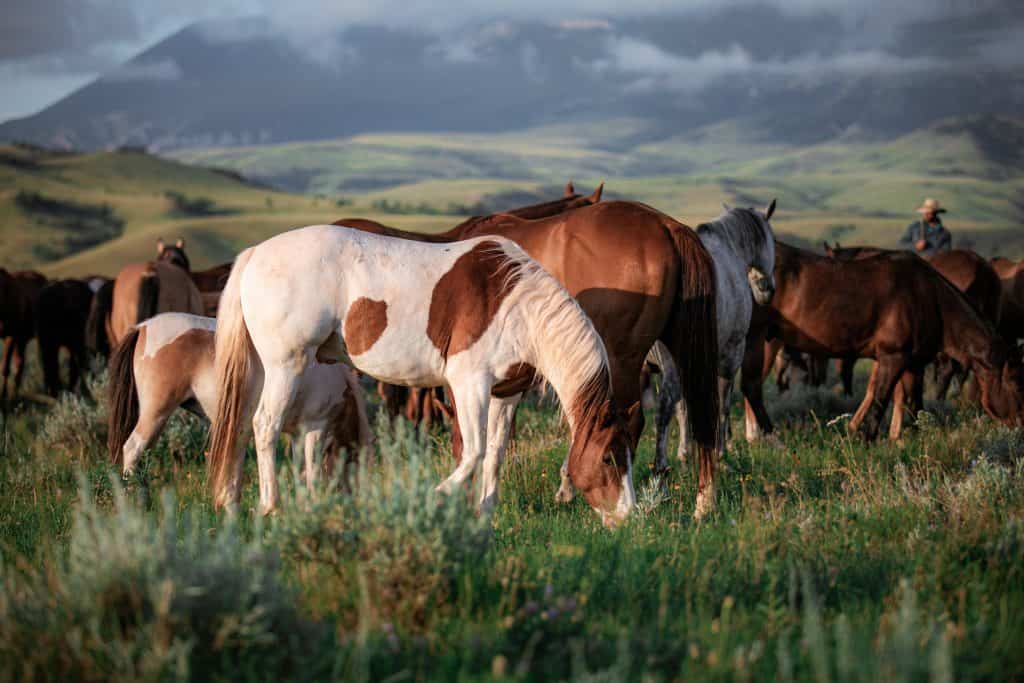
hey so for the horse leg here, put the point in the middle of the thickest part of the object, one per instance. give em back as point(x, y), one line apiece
point(907, 401)
point(751, 380)
point(945, 369)
point(19, 366)
point(724, 398)
point(8, 345)
point(278, 392)
point(147, 429)
point(49, 355)
point(846, 366)
point(669, 400)
point(862, 409)
point(472, 400)
point(313, 438)
point(888, 370)
point(501, 415)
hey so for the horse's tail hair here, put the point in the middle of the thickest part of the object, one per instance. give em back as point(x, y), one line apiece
point(692, 337)
point(122, 396)
point(99, 312)
point(236, 364)
point(149, 296)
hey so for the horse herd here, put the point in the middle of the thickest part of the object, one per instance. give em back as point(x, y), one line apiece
point(584, 295)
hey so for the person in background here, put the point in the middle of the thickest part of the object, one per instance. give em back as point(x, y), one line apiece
point(927, 236)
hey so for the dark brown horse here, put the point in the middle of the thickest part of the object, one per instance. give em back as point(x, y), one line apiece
point(1011, 319)
point(210, 283)
point(141, 290)
point(18, 294)
point(894, 308)
point(62, 313)
point(640, 276)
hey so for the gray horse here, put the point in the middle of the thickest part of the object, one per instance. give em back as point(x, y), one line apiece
point(742, 244)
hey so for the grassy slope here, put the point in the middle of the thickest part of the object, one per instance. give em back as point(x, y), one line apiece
point(828, 560)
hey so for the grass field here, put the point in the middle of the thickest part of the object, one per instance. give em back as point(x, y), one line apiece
point(827, 560)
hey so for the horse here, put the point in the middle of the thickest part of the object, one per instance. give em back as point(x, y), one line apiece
point(968, 272)
point(62, 312)
point(417, 404)
point(1011, 320)
point(18, 294)
point(210, 283)
point(742, 244)
point(166, 362)
point(640, 276)
point(479, 316)
point(141, 290)
point(894, 308)
point(97, 336)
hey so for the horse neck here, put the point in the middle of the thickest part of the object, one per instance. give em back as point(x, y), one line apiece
point(966, 337)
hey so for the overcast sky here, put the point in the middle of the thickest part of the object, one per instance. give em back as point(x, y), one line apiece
point(48, 48)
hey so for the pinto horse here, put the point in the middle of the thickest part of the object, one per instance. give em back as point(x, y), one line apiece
point(640, 276)
point(141, 290)
point(742, 244)
point(167, 361)
point(19, 292)
point(894, 308)
point(479, 316)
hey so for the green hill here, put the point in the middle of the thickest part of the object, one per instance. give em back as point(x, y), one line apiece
point(78, 213)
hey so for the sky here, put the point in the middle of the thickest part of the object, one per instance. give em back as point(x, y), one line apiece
point(49, 48)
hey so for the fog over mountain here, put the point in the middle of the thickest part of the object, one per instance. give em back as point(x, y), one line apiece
point(789, 71)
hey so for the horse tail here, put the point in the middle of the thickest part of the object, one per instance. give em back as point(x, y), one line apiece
point(99, 312)
point(149, 295)
point(236, 364)
point(692, 337)
point(123, 396)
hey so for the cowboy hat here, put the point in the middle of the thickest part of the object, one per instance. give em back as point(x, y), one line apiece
point(931, 205)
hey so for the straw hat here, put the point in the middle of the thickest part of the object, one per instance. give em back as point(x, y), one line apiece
point(931, 205)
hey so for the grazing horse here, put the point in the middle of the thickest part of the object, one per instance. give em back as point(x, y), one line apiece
point(894, 308)
point(479, 316)
point(418, 404)
point(141, 290)
point(18, 294)
point(62, 312)
point(742, 244)
point(1011, 319)
point(640, 276)
point(167, 361)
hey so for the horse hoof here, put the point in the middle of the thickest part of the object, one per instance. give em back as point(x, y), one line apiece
point(705, 505)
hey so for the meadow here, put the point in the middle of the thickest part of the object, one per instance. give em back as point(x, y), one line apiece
point(827, 559)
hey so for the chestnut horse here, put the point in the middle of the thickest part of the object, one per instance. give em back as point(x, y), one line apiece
point(894, 308)
point(641, 277)
point(477, 316)
point(141, 290)
point(19, 292)
point(1011, 319)
point(167, 361)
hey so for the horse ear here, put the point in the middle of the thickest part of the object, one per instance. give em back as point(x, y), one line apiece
point(160, 246)
point(726, 207)
point(595, 197)
point(769, 211)
point(828, 249)
point(180, 244)
point(569, 189)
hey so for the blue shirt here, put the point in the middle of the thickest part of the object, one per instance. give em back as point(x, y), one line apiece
point(935, 235)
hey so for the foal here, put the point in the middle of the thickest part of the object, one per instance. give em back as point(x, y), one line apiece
point(742, 244)
point(167, 361)
point(478, 315)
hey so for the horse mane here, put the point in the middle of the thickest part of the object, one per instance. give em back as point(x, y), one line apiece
point(578, 358)
point(746, 223)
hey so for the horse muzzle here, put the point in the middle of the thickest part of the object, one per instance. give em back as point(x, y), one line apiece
point(762, 286)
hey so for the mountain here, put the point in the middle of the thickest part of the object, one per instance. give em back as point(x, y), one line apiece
point(243, 83)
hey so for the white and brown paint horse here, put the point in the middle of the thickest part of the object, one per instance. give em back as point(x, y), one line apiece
point(478, 315)
point(742, 244)
point(167, 361)
point(141, 290)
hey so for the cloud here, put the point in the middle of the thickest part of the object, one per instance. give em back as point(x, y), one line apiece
point(160, 70)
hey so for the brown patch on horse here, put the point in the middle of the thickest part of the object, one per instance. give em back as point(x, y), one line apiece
point(365, 322)
point(467, 297)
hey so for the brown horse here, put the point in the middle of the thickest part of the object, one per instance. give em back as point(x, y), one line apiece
point(969, 273)
point(141, 290)
point(893, 308)
point(62, 313)
point(18, 294)
point(641, 277)
point(1011, 320)
point(210, 283)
